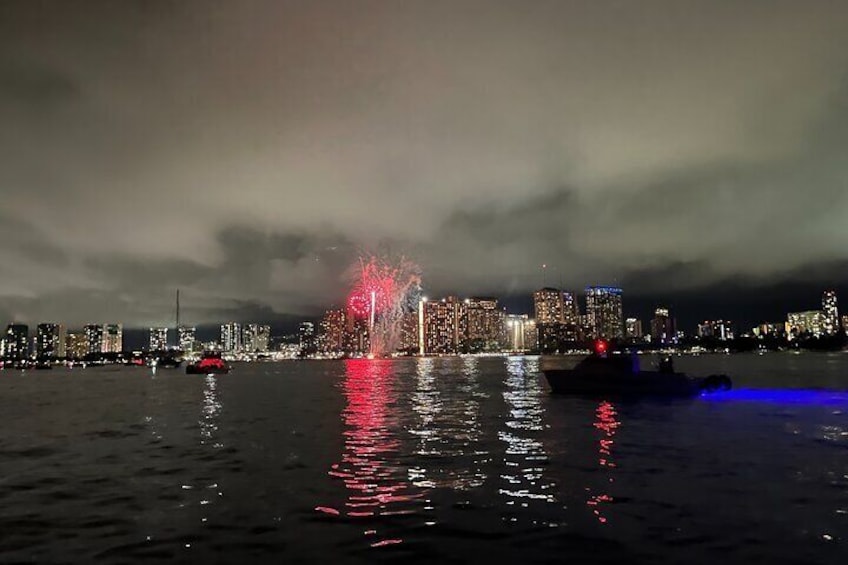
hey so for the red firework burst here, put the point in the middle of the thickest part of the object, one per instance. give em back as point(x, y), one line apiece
point(376, 284)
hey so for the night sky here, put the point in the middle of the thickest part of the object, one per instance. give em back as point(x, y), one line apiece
point(694, 153)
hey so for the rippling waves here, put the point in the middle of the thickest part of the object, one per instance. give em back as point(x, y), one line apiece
point(465, 459)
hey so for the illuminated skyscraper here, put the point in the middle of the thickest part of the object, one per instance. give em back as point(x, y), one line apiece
point(548, 306)
point(50, 341)
point(231, 338)
point(722, 330)
point(263, 338)
point(830, 313)
point(633, 329)
point(557, 318)
point(158, 339)
point(356, 338)
point(307, 338)
point(113, 338)
point(604, 312)
point(76, 346)
point(257, 338)
point(409, 332)
point(810, 322)
point(531, 335)
point(845, 323)
point(16, 342)
point(570, 308)
point(332, 331)
point(484, 324)
point(663, 327)
point(187, 336)
point(93, 339)
point(443, 325)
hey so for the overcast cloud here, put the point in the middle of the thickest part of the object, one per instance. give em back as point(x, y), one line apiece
point(245, 151)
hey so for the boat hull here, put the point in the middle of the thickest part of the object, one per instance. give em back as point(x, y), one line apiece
point(642, 384)
point(195, 370)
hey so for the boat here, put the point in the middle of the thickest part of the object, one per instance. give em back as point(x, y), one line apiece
point(603, 373)
point(169, 359)
point(210, 363)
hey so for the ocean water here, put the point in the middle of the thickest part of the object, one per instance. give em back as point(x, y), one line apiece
point(452, 460)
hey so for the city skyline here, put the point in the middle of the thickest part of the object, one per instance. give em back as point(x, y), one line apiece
point(646, 146)
point(557, 316)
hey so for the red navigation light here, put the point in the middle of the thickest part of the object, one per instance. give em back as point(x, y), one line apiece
point(601, 347)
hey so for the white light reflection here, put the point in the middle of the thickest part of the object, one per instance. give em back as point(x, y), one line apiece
point(211, 410)
point(525, 455)
point(448, 427)
point(208, 422)
point(427, 404)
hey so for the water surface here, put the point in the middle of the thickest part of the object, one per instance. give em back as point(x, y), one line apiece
point(462, 459)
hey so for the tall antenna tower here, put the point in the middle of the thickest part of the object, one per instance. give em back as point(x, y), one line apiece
point(177, 329)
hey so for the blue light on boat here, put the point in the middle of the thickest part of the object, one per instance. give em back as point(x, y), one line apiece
point(780, 396)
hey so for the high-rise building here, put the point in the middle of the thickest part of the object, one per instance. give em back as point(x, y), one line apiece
point(257, 338)
point(158, 339)
point(356, 337)
point(633, 329)
point(76, 346)
point(16, 342)
point(443, 324)
point(521, 333)
point(548, 306)
point(722, 330)
point(845, 323)
point(531, 335)
point(484, 325)
point(570, 308)
point(50, 341)
point(263, 338)
point(557, 318)
point(307, 338)
point(186, 338)
point(830, 313)
point(663, 327)
point(231, 337)
point(332, 331)
point(409, 333)
point(93, 339)
point(113, 338)
point(810, 322)
point(604, 311)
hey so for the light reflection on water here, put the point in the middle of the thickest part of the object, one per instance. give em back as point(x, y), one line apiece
point(525, 458)
point(211, 410)
point(370, 468)
point(426, 439)
point(608, 425)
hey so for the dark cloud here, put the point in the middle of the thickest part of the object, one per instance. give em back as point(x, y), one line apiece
point(245, 152)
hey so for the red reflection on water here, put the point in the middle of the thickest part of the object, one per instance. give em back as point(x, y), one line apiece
point(377, 485)
point(607, 423)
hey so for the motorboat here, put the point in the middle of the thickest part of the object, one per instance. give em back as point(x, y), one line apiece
point(210, 363)
point(169, 360)
point(608, 374)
